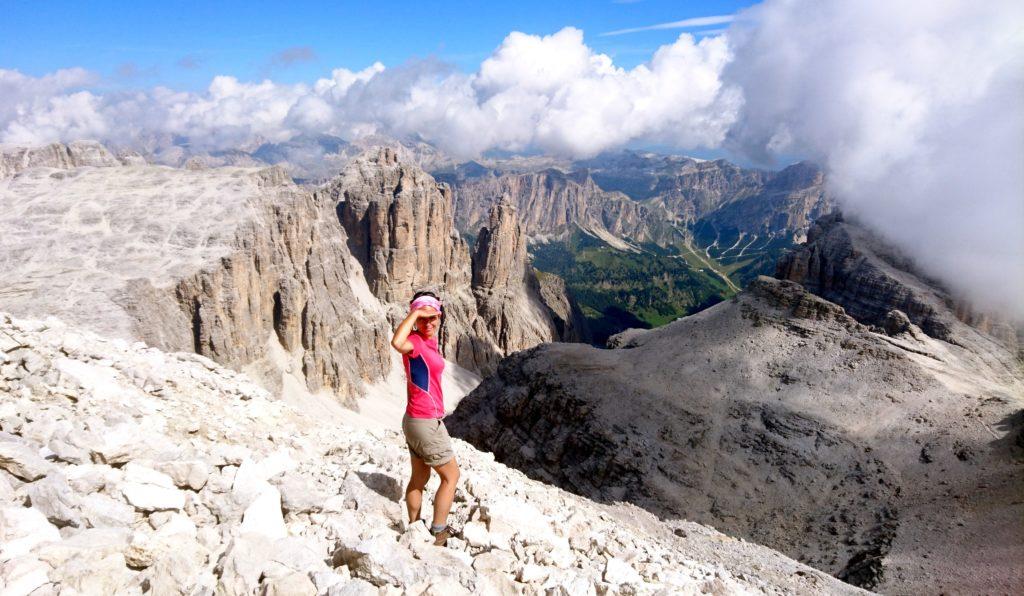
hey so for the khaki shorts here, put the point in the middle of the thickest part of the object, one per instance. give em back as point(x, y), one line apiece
point(428, 440)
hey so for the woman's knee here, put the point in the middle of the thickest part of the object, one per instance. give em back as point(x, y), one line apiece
point(449, 472)
point(417, 483)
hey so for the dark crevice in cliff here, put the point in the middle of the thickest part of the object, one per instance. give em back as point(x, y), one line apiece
point(197, 327)
point(278, 316)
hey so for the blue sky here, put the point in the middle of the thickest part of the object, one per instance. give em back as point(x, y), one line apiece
point(183, 45)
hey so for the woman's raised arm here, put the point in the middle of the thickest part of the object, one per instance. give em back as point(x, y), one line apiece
point(401, 341)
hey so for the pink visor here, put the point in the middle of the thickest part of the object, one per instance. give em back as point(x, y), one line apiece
point(423, 301)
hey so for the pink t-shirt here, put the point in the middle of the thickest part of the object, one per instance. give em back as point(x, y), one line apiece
point(423, 368)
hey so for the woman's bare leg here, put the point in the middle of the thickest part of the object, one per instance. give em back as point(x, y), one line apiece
point(449, 474)
point(414, 490)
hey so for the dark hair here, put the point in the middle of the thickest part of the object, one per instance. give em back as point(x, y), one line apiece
point(440, 326)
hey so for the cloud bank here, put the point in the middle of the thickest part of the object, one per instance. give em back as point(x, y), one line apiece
point(917, 111)
point(551, 93)
point(914, 108)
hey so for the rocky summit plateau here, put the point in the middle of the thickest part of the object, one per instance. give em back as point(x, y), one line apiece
point(197, 395)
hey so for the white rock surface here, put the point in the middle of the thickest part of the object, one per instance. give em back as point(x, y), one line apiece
point(149, 490)
point(22, 461)
point(207, 514)
point(264, 517)
point(22, 529)
point(617, 571)
point(22, 575)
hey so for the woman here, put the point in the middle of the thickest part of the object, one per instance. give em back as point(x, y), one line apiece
point(425, 434)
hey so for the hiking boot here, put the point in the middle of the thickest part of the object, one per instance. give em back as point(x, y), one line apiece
point(441, 538)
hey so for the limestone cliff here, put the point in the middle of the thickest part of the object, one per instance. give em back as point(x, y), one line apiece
point(550, 202)
point(787, 202)
point(701, 187)
point(401, 227)
point(236, 264)
point(55, 155)
point(289, 277)
point(738, 214)
point(506, 290)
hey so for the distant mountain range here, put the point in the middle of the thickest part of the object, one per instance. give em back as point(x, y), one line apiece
point(642, 238)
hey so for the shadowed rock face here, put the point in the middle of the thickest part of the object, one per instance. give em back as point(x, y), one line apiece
point(780, 418)
point(835, 265)
point(509, 302)
point(870, 279)
point(566, 315)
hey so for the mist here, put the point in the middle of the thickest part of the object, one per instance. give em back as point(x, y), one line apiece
point(915, 109)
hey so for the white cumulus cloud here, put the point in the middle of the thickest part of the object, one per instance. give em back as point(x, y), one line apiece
point(552, 93)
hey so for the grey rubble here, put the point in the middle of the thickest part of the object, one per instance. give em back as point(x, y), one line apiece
point(873, 449)
point(127, 470)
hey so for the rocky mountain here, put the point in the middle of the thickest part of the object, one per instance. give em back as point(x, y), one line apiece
point(400, 226)
point(639, 174)
point(867, 447)
point(553, 203)
point(128, 470)
point(694, 189)
point(846, 265)
point(716, 200)
point(697, 230)
point(508, 295)
point(243, 266)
